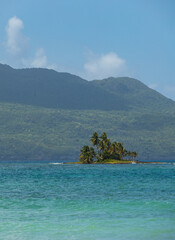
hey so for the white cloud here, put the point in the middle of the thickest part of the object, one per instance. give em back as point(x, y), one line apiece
point(16, 42)
point(40, 60)
point(103, 66)
point(97, 66)
point(16, 45)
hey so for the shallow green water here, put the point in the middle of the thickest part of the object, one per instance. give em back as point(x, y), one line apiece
point(87, 202)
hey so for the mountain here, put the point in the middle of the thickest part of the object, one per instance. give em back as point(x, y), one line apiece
point(48, 115)
point(135, 93)
point(48, 88)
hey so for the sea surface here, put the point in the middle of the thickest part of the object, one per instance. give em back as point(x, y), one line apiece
point(41, 201)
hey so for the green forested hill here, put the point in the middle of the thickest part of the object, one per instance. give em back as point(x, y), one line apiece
point(30, 132)
point(135, 93)
point(48, 88)
point(49, 115)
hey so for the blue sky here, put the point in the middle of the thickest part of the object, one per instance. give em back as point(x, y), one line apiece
point(93, 38)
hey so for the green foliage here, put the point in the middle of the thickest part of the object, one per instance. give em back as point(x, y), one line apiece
point(86, 155)
point(95, 139)
point(104, 150)
point(135, 94)
point(28, 132)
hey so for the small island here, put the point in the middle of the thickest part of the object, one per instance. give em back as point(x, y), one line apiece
point(104, 151)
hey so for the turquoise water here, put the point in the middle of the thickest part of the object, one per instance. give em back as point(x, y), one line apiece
point(87, 202)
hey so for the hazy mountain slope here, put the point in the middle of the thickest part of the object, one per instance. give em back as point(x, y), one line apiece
point(29, 133)
point(137, 94)
point(48, 88)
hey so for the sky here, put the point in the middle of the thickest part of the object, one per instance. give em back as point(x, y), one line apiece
point(94, 39)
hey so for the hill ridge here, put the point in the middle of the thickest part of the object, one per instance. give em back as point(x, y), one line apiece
point(49, 88)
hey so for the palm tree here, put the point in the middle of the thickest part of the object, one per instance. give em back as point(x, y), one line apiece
point(133, 155)
point(114, 147)
point(104, 136)
point(121, 150)
point(101, 146)
point(107, 144)
point(86, 155)
point(95, 139)
point(113, 150)
point(105, 150)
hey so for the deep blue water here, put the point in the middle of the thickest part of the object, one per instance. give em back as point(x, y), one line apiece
point(87, 202)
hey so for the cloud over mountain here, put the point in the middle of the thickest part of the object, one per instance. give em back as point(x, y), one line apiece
point(40, 59)
point(104, 65)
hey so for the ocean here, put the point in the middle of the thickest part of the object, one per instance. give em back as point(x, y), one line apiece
point(87, 202)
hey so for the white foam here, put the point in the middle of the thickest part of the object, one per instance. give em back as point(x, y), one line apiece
point(56, 163)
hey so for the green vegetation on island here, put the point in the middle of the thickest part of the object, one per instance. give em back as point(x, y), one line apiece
point(105, 151)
